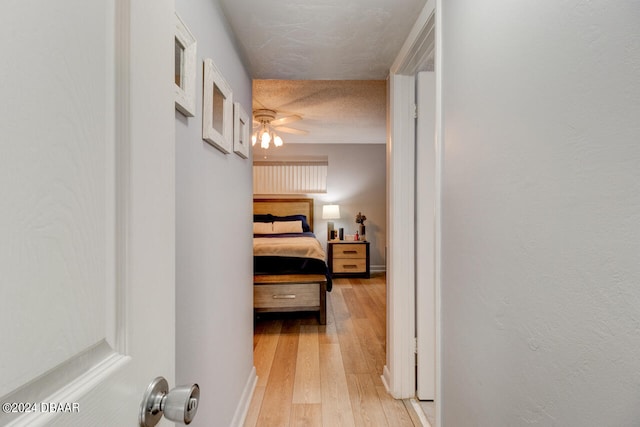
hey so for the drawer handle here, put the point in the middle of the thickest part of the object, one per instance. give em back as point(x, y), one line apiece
point(349, 252)
point(350, 266)
point(284, 297)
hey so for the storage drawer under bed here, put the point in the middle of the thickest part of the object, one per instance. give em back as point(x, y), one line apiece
point(287, 295)
point(291, 292)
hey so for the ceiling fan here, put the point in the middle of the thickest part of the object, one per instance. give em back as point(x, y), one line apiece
point(265, 125)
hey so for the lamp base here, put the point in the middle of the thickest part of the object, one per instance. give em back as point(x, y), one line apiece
point(330, 231)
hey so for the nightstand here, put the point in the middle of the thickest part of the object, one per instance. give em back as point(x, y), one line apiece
point(348, 259)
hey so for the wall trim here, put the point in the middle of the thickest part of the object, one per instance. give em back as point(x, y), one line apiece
point(378, 268)
point(401, 238)
point(426, 207)
point(242, 409)
point(420, 412)
point(399, 372)
point(386, 378)
point(438, 212)
point(419, 44)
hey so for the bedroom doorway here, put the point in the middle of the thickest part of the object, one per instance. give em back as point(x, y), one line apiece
point(355, 334)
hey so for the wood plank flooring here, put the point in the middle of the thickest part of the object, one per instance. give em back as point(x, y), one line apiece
point(327, 375)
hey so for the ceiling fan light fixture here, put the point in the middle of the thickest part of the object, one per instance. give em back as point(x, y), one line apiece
point(265, 137)
point(266, 122)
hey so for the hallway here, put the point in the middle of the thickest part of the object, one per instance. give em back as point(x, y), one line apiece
point(312, 375)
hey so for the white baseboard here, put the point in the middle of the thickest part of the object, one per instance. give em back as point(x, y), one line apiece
point(378, 268)
point(245, 400)
point(386, 378)
point(420, 412)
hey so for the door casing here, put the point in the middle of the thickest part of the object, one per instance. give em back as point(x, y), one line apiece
point(420, 50)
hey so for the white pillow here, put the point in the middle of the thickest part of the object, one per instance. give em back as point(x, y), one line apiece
point(287, 227)
point(262, 228)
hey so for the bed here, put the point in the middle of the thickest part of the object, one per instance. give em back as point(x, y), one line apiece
point(290, 271)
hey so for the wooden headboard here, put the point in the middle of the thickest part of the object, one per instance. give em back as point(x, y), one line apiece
point(284, 207)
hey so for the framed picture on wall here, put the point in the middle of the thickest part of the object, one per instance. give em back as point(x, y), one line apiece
point(185, 69)
point(217, 109)
point(241, 132)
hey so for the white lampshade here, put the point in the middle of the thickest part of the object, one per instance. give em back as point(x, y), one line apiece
point(330, 212)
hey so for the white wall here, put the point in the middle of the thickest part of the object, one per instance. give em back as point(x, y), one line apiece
point(355, 181)
point(214, 299)
point(541, 213)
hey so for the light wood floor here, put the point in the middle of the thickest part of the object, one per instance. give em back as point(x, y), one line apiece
point(312, 375)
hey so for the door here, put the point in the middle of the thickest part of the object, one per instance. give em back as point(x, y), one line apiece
point(87, 209)
point(425, 232)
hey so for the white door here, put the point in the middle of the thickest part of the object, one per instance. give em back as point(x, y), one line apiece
point(425, 232)
point(86, 209)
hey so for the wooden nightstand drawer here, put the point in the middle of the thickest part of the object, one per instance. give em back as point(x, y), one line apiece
point(346, 265)
point(349, 251)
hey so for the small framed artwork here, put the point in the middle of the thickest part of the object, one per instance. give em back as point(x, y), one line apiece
point(185, 69)
point(217, 109)
point(241, 125)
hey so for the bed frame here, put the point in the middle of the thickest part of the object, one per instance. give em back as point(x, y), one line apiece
point(289, 292)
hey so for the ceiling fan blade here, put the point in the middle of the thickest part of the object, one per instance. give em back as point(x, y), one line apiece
point(285, 120)
point(291, 130)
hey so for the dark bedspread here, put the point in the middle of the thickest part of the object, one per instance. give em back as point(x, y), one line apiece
point(290, 265)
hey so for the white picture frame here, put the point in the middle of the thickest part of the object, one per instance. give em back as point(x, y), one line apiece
point(185, 69)
point(241, 124)
point(217, 109)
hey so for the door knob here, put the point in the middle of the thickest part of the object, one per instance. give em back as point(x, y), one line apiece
point(179, 405)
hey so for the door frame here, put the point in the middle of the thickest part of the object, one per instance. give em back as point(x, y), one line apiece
point(425, 235)
point(399, 371)
point(421, 46)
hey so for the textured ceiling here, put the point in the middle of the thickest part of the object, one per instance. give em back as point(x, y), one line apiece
point(321, 39)
point(324, 60)
point(332, 111)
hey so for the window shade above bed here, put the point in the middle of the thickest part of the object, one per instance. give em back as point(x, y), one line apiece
point(290, 177)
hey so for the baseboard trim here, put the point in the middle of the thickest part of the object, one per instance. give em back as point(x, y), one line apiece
point(386, 378)
point(245, 400)
point(378, 268)
point(420, 412)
